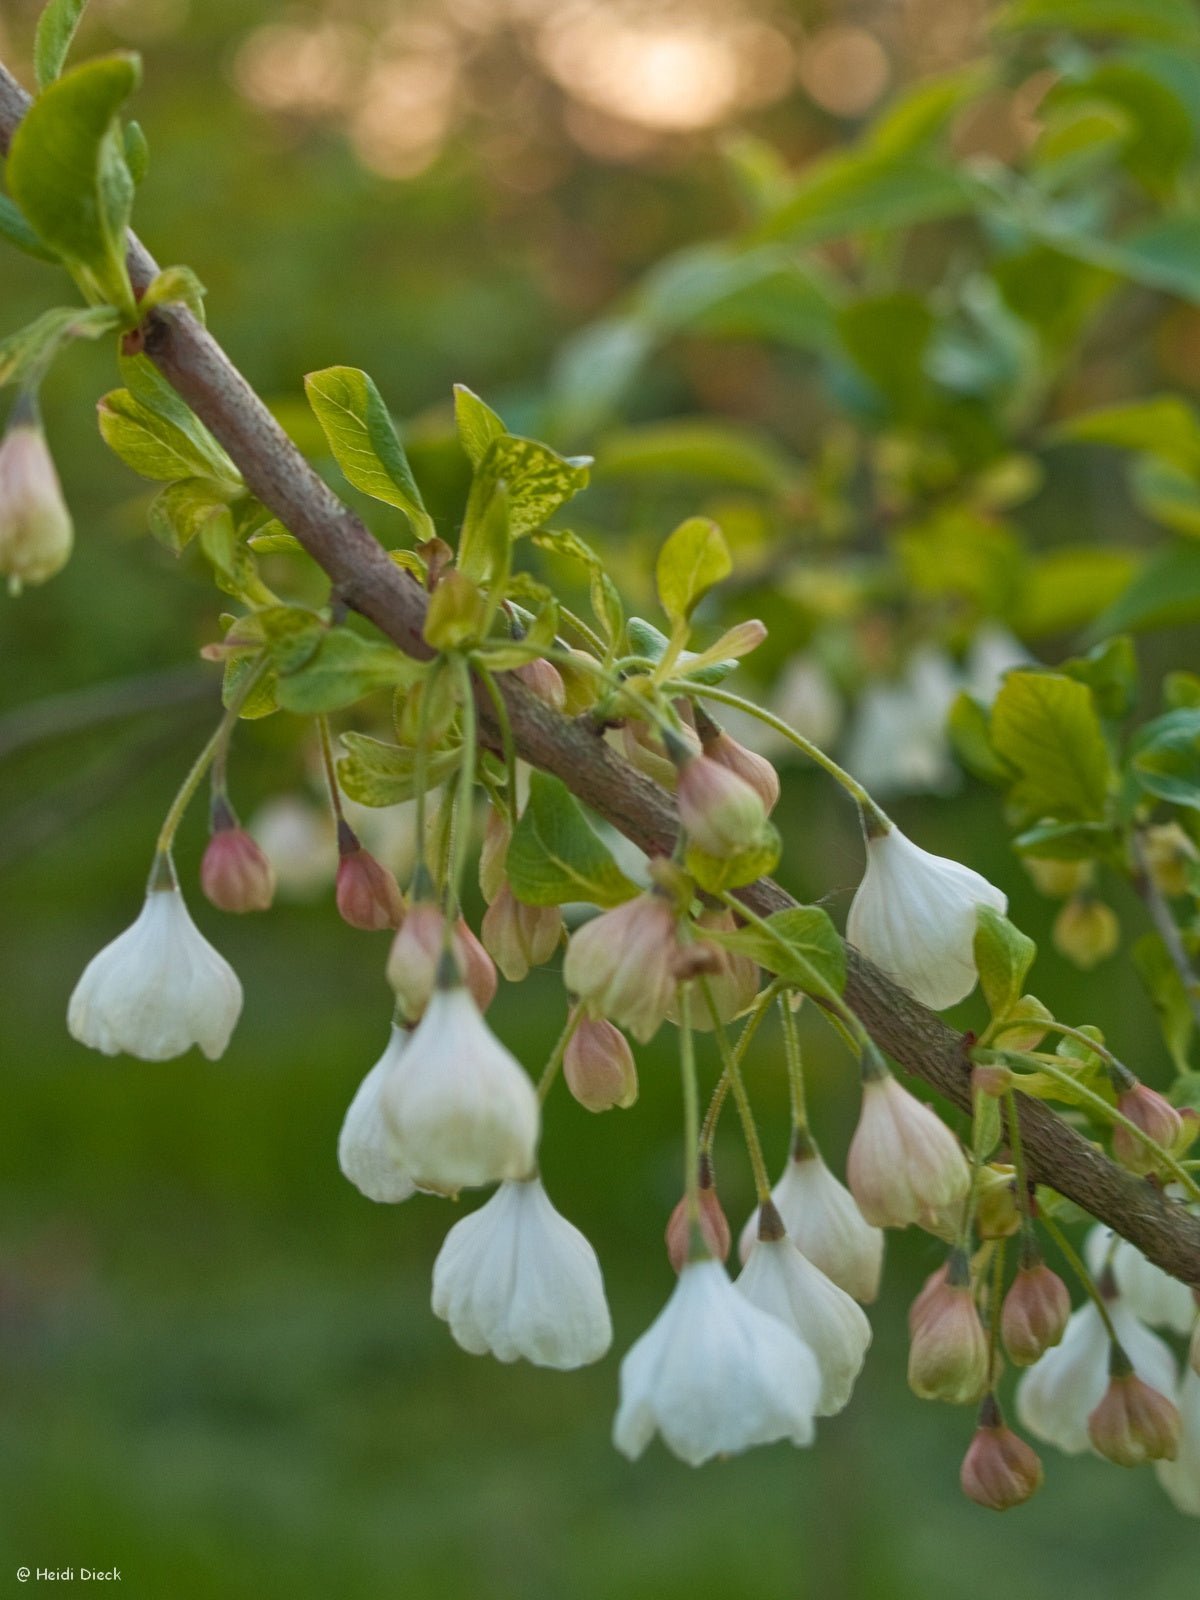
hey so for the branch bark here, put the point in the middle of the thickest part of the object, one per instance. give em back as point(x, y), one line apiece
point(364, 578)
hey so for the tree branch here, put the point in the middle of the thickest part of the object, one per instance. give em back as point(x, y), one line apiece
point(366, 579)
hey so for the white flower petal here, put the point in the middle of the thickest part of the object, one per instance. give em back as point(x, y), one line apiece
point(157, 989)
point(714, 1375)
point(518, 1280)
point(1181, 1477)
point(367, 1151)
point(823, 1221)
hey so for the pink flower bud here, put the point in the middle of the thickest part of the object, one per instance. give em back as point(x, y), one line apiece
point(497, 834)
point(751, 768)
point(518, 936)
point(1134, 1423)
point(904, 1164)
point(927, 1293)
point(544, 678)
point(732, 978)
point(948, 1356)
point(721, 814)
point(1034, 1315)
point(368, 895)
point(999, 1470)
point(1155, 1116)
point(622, 963)
point(35, 526)
point(714, 1227)
point(598, 1066)
point(235, 873)
point(417, 951)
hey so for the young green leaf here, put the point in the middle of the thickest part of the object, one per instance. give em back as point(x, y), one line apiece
point(17, 231)
point(1045, 726)
point(478, 425)
point(26, 355)
point(802, 947)
point(178, 513)
point(55, 30)
point(1003, 955)
point(694, 558)
point(175, 284)
point(161, 446)
point(379, 774)
point(537, 480)
point(364, 441)
point(342, 670)
point(1166, 757)
point(67, 172)
point(555, 856)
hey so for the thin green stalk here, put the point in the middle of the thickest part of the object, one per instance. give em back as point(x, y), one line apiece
point(691, 1116)
point(488, 680)
point(421, 778)
point(466, 795)
point(1072, 1258)
point(327, 761)
point(1114, 1063)
point(737, 1083)
point(795, 1065)
point(873, 812)
point(1016, 1149)
point(550, 1070)
point(712, 1116)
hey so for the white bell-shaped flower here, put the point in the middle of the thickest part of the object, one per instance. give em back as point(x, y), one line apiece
point(823, 1221)
point(914, 914)
point(1149, 1292)
point(780, 1280)
point(367, 1150)
point(897, 741)
point(157, 989)
point(1058, 1394)
point(1181, 1477)
point(463, 1111)
point(516, 1279)
point(714, 1375)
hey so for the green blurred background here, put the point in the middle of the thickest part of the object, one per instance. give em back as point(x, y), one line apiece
point(220, 1367)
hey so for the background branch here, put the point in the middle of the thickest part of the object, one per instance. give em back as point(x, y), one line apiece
point(367, 580)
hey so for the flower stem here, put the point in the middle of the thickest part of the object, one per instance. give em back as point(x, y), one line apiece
point(466, 794)
point(1074, 1261)
point(737, 1083)
point(795, 1065)
point(691, 1111)
point(487, 678)
point(330, 766)
point(550, 1070)
point(712, 1116)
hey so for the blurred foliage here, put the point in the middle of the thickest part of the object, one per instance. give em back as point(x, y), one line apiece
point(934, 369)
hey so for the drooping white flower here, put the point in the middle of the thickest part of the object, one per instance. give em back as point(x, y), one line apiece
point(301, 843)
point(904, 1165)
point(35, 526)
point(157, 989)
point(1058, 1394)
point(1181, 1477)
point(897, 742)
point(823, 1221)
point(516, 1279)
point(914, 915)
point(463, 1111)
point(780, 1280)
point(1149, 1292)
point(714, 1375)
point(367, 1151)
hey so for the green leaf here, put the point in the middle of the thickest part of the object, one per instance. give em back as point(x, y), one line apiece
point(1164, 593)
point(646, 641)
point(1172, 20)
point(67, 172)
point(1163, 425)
point(379, 774)
point(137, 152)
point(555, 856)
point(715, 874)
point(1003, 955)
point(55, 30)
point(694, 558)
point(1065, 588)
point(1167, 494)
point(968, 726)
point(1110, 672)
point(17, 231)
point(870, 190)
point(478, 425)
point(1165, 757)
point(292, 635)
point(720, 452)
point(261, 700)
point(887, 339)
point(1045, 726)
point(233, 565)
point(605, 597)
point(537, 480)
point(179, 512)
point(802, 947)
point(175, 284)
point(343, 669)
point(161, 446)
point(1068, 841)
point(364, 442)
point(1169, 996)
point(26, 354)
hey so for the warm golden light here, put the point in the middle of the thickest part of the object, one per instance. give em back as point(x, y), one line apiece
point(845, 70)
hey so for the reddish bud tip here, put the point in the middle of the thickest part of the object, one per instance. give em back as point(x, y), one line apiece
point(544, 678)
point(235, 874)
point(1134, 1423)
point(714, 1229)
point(751, 768)
point(1034, 1314)
point(999, 1470)
point(368, 895)
point(598, 1066)
point(1156, 1117)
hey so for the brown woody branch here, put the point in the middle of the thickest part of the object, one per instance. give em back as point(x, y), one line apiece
point(364, 578)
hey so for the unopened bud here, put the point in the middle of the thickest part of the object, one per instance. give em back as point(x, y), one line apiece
point(644, 749)
point(999, 1470)
point(1170, 857)
point(997, 1215)
point(598, 1066)
point(416, 954)
point(1134, 1423)
point(948, 1356)
point(721, 814)
point(752, 769)
point(368, 895)
point(1058, 879)
point(457, 612)
point(1034, 1315)
point(621, 963)
point(1086, 931)
point(35, 526)
point(995, 1081)
point(714, 1227)
point(904, 1164)
point(580, 682)
point(518, 936)
point(497, 834)
point(544, 678)
point(235, 873)
point(1156, 1117)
